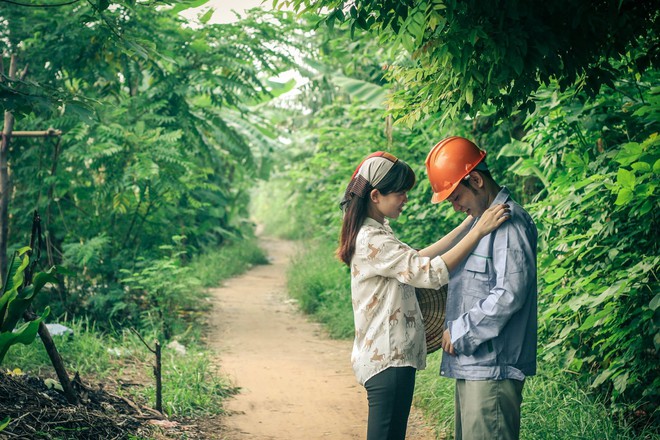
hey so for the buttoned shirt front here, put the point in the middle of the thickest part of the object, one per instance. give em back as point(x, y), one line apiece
point(492, 303)
point(389, 331)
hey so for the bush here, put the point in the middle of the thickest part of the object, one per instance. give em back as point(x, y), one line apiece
point(321, 285)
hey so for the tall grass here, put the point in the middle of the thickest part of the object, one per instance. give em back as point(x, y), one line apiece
point(321, 285)
point(555, 406)
point(191, 384)
point(84, 351)
point(216, 265)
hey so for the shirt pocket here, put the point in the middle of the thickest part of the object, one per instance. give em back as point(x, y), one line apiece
point(476, 282)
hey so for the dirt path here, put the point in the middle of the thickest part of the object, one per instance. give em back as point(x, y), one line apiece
point(296, 384)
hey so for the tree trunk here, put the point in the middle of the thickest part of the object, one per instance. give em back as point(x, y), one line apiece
point(5, 191)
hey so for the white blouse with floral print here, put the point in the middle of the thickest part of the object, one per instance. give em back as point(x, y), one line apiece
point(388, 323)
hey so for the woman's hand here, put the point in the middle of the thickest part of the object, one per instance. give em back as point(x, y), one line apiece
point(492, 218)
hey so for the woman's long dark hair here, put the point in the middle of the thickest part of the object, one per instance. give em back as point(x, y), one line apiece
point(400, 178)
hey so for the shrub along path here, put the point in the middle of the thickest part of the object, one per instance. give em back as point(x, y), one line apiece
point(296, 384)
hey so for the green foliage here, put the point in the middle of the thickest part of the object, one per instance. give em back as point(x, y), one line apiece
point(274, 205)
point(467, 54)
point(191, 385)
point(16, 297)
point(4, 423)
point(169, 145)
point(86, 351)
point(599, 278)
point(321, 285)
point(214, 266)
point(165, 293)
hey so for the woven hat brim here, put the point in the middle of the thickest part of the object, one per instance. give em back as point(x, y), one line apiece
point(432, 303)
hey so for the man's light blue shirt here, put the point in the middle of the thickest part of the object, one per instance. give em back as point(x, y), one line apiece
point(492, 303)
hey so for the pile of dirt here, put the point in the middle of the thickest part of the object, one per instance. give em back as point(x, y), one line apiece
point(37, 411)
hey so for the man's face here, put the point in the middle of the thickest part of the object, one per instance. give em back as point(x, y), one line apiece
point(468, 200)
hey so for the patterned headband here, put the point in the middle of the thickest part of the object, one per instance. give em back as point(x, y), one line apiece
point(368, 174)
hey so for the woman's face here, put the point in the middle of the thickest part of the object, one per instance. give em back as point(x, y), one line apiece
point(390, 205)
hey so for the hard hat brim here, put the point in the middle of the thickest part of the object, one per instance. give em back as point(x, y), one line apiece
point(448, 162)
point(442, 195)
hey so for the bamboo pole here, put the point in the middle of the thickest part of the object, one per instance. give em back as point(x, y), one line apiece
point(51, 132)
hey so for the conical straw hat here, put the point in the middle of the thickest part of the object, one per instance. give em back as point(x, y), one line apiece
point(432, 303)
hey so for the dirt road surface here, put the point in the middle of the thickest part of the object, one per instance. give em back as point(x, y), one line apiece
point(296, 383)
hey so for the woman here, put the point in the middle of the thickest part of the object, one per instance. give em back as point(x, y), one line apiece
point(389, 345)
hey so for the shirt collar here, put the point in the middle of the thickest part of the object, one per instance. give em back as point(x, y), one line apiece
point(502, 197)
point(371, 222)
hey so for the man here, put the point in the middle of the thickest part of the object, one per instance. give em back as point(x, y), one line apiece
point(491, 318)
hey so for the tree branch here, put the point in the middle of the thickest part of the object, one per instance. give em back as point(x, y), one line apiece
point(28, 5)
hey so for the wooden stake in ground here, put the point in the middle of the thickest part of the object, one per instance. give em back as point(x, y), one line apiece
point(35, 254)
point(157, 371)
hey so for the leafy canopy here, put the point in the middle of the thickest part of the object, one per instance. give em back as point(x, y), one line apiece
point(466, 54)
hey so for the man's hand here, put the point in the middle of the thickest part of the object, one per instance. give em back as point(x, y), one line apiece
point(446, 343)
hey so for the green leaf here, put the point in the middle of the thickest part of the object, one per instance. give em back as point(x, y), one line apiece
point(655, 302)
point(626, 178)
point(469, 96)
point(601, 378)
point(20, 304)
point(621, 382)
point(22, 335)
point(554, 275)
point(610, 292)
point(370, 94)
point(625, 196)
point(515, 148)
point(629, 153)
point(279, 88)
point(187, 4)
point(207, 16)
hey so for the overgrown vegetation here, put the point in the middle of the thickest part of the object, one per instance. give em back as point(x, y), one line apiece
point(157, 151)
point(120, 365)
point(321, 287)
point(582, 152)
point(167, 126)
point(192, 387)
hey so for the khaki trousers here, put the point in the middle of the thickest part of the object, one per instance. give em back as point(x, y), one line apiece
point(488, 409)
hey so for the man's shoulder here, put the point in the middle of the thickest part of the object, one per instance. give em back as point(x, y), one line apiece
point(521, 224)
point(519, 213)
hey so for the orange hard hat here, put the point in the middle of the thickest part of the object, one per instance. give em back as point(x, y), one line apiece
point(449, 162)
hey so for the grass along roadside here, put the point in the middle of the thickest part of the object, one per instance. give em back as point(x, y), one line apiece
point(121, 362)
point(554, 404)
point(321, 286)
point(191, 387)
